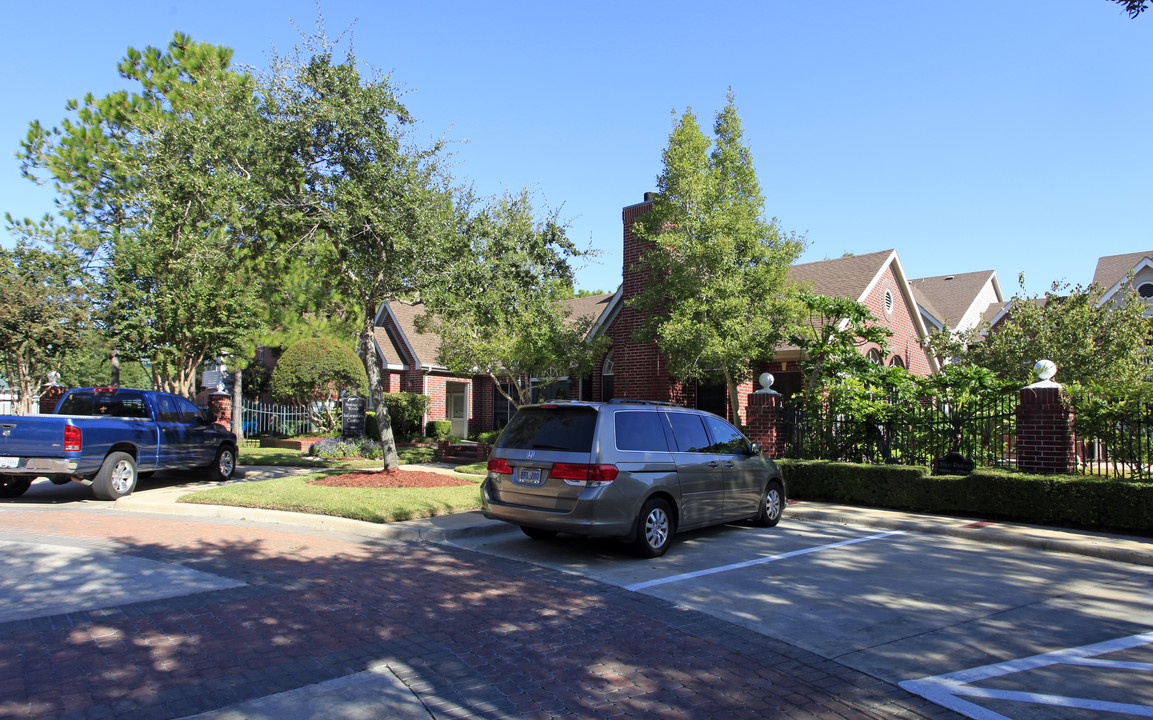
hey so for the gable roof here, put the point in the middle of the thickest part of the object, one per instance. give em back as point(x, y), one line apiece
point(396, 348)
point(1112, 269)
point(847, 277)
point(949, 298)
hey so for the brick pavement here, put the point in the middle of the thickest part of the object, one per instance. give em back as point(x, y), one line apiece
point(473, 636)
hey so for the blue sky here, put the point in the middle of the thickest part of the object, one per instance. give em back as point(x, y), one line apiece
point(1007, 135)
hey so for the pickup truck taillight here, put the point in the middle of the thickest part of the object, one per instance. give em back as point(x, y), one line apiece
point(72, 441)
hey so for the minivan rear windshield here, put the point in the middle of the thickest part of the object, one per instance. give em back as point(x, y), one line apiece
point(567, 429)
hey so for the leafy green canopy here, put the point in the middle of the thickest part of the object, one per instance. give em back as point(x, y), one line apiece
point(43, 312)
point(503, 316)
point(162, 180)
point(363, 196)
point(314, 373)
point(718, 294)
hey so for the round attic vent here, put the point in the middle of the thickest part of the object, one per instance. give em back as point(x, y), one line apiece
point(888, 301)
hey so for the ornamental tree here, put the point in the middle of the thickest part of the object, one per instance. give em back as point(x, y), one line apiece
point(503, 316)
point(314, 373)
point(718, 292)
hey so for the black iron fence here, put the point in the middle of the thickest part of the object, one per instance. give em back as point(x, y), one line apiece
point(909, 434)
point(1110, 439)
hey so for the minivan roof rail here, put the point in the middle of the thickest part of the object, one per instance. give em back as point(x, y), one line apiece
point(630, 401)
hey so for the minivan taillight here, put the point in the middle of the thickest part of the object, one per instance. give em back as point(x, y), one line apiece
point(499, 465)
point(582, 475)
point(72, 439)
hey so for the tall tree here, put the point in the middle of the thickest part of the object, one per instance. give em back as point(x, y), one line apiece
point(163, 177)
point(43, 308)
point(718, 292)
point(363, 188)
point(1094, 343)
point(505, 317)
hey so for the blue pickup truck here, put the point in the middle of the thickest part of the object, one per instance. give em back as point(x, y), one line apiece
point(109, 437)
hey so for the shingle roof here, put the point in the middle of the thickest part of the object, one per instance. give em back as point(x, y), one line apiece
point(593, 305)
point(1112, 269)
point(426, 346)
point(949, 297)
point(846, 277)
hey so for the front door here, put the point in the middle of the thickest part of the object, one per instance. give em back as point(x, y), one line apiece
point(456, 408)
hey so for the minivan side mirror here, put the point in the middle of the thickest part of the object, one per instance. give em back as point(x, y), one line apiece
point(756, 449)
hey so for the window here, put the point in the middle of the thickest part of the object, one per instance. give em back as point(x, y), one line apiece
point(608, 386)
point(875, 357)
point(727, 439)
point(188, 411)
point(888, 301)
point(689, 432)
point(640, 431)
point(565, 428)
point(897, 362)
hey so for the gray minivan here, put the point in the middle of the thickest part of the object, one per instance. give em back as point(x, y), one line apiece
point(640, 471)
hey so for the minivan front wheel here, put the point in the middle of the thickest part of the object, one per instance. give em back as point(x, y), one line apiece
point(655, 528)
point(772, 505)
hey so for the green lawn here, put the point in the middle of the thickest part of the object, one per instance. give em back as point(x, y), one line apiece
point(292, 458)
point(378, 505)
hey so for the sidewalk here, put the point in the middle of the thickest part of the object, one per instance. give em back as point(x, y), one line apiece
point(1120, 548)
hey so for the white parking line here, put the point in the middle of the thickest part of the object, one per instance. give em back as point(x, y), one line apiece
point(949, 690)
point(749, 563)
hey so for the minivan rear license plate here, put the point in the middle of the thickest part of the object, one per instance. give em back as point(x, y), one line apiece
point(9, 462)
point(525, 476)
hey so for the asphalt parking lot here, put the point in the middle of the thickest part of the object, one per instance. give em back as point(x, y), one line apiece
point(990, 631)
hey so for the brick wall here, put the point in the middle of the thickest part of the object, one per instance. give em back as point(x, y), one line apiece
point(905, 342)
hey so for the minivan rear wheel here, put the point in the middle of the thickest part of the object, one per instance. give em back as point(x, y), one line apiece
point(655, 528)
point(537, 533)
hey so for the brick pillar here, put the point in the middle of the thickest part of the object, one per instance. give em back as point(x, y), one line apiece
point(1044, 431)
point(220, 407)
point(766, 422)
point(50, 395)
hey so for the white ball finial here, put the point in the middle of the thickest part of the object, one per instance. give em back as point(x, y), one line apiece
point(1044, 370)
point(766, 380)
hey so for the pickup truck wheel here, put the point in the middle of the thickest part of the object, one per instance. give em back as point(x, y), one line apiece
point(225, 463)
point(13, 485)
point(117, 477)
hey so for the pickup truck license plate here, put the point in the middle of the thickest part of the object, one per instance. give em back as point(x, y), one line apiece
point(12, 462)
point(525, 476)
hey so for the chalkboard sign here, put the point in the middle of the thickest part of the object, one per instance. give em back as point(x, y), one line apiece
point(352, 417)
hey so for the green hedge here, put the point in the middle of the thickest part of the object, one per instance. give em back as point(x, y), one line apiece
point(1002, 494)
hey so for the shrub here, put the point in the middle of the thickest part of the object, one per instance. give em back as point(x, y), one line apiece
point(371, 428)
point(315, 372)
point(439, 429)
point(993, 493)
point(486, 436)
point(336, 448)
point(405, 411)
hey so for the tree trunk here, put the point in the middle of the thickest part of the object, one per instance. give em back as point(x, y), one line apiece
point(376, 386)
point(114, 362)
point(734, 399)
point(238, 403)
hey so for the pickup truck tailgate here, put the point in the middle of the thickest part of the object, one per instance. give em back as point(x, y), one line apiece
point(31, 435)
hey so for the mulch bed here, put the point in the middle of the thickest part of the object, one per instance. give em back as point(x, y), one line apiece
point(390, 479)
